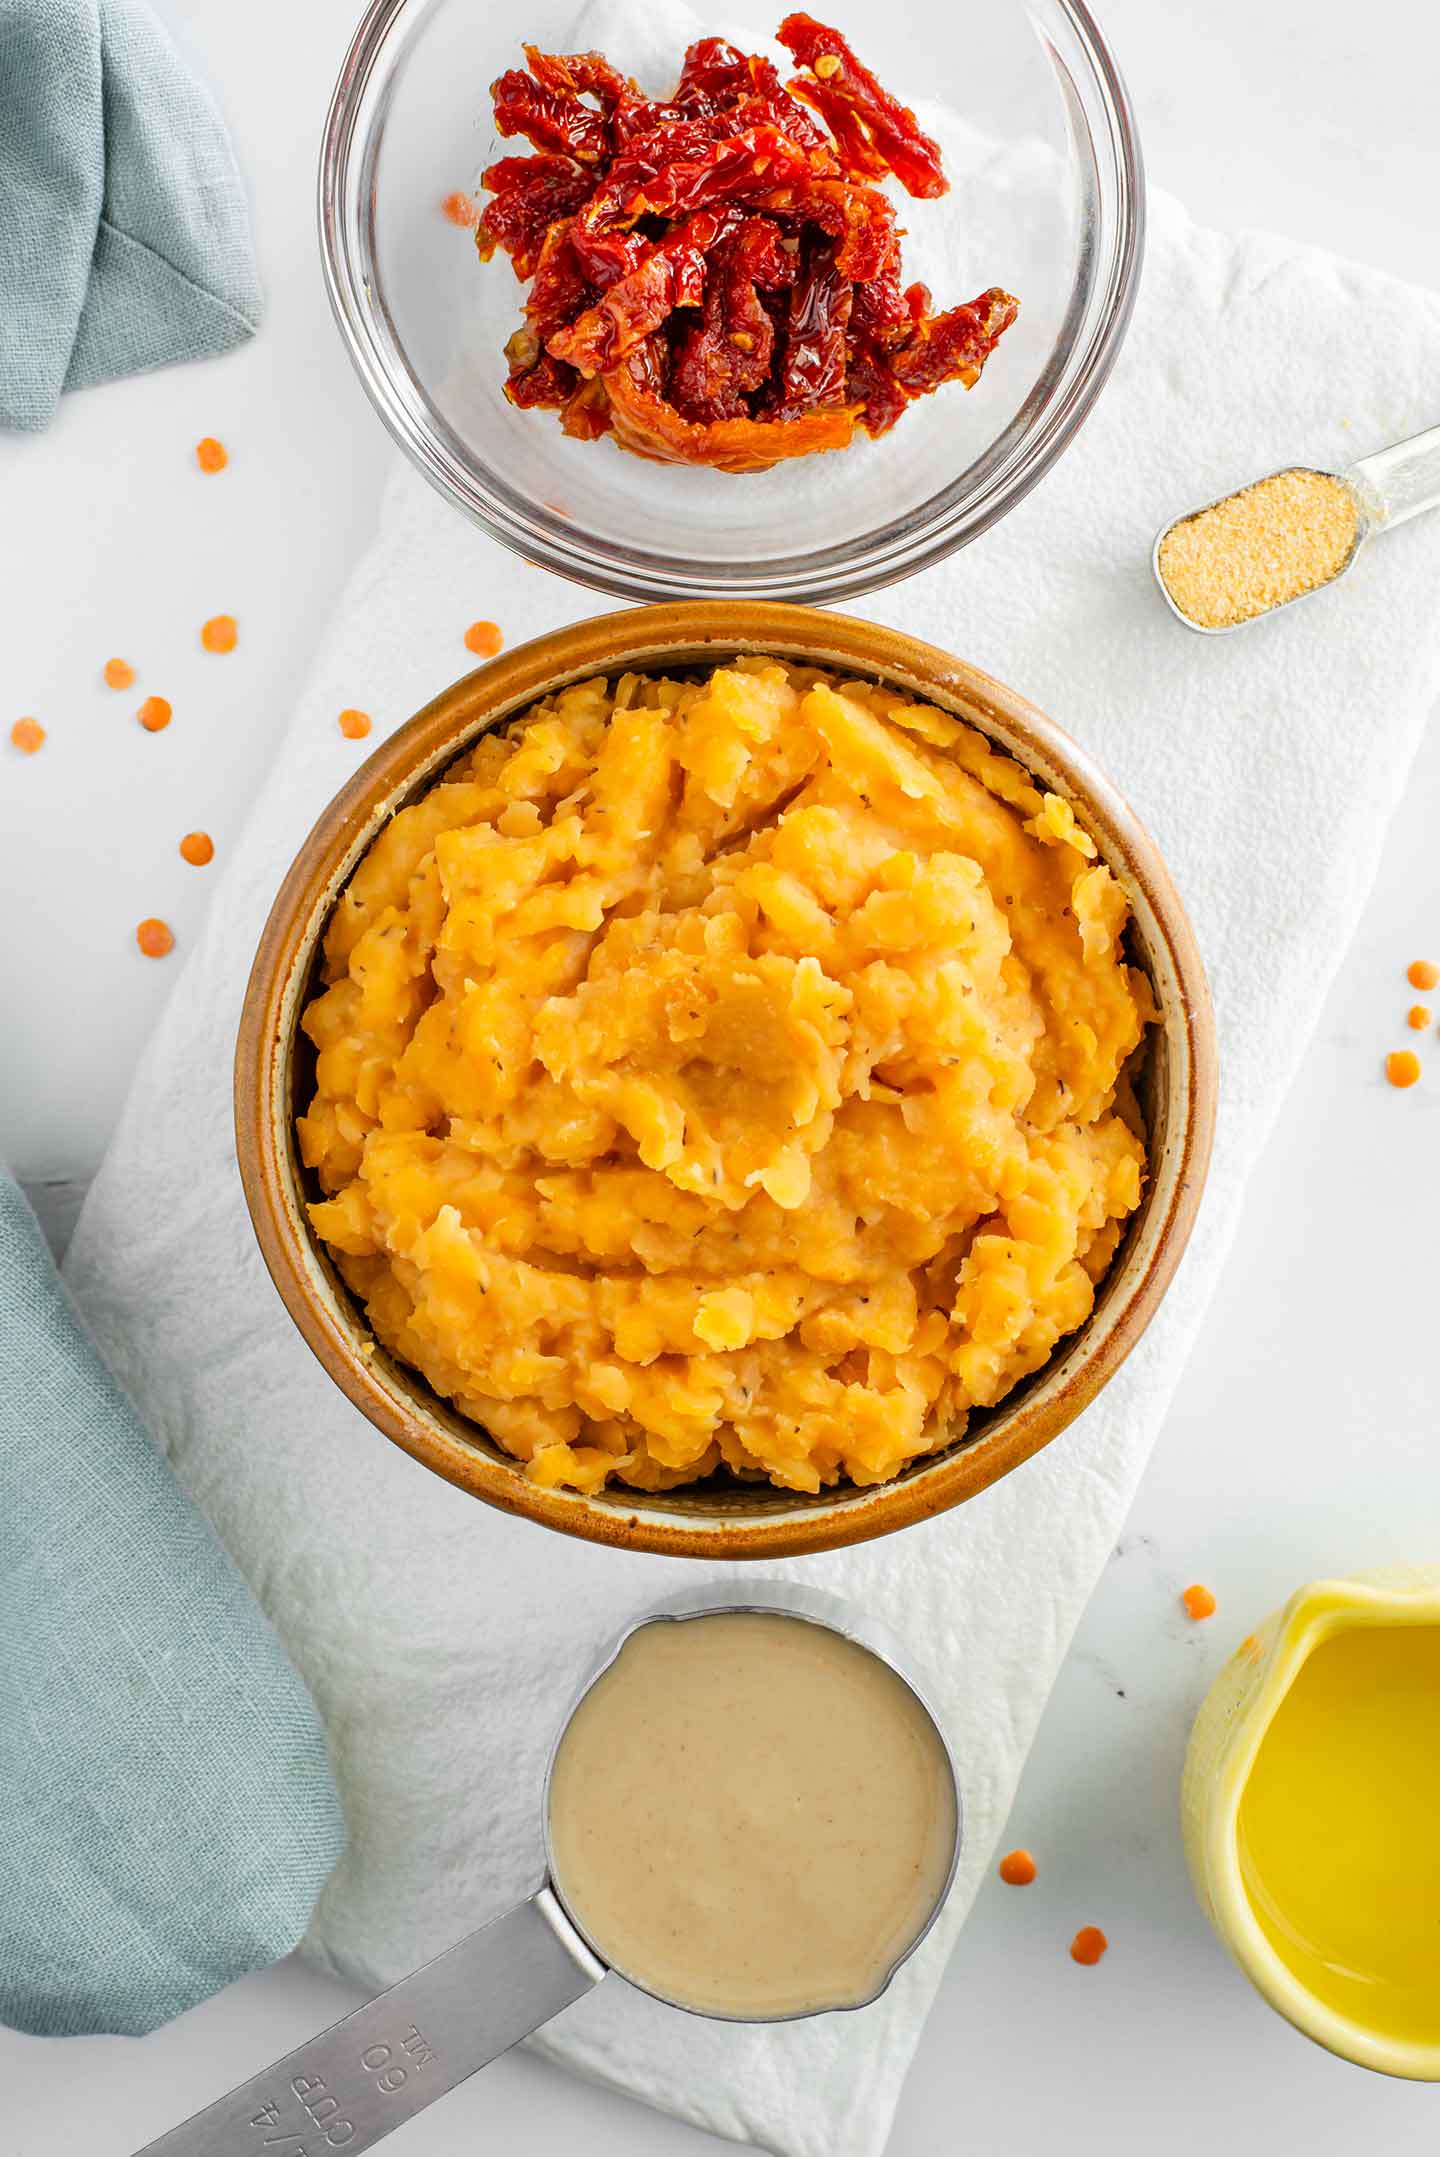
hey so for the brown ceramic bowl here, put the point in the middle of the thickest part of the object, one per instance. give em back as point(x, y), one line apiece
point(720, 1519)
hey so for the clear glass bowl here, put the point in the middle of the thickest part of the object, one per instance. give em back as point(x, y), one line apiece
point(1047, 199)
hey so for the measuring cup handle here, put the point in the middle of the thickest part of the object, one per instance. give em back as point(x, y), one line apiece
point(360, 2078)
point(1399, 482)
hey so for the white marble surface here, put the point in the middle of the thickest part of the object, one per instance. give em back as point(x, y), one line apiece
point(1304, 1436)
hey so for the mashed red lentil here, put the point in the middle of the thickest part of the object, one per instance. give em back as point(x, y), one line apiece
point(727, 1073)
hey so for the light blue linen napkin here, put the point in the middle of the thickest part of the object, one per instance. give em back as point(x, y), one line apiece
point(167, 1814)
point(124, 232)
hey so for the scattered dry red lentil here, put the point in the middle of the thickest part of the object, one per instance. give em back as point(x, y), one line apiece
point(27, 735)
point(1088, 1945)
point(1017, 1868)
point(154, 714)
point(154, 938)
point(1418, 1017)
point(354, 725)
point(484, 639)
point(197, 847)
point(210, 455)
point(1423, 974)
point(119, 674)
point(461, 209)
point(1199, 1602)
point(1402, 1067)
point(220, 633)
point(1250, 1648)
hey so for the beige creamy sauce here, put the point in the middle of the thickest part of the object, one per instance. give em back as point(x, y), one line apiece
point(751, 1815)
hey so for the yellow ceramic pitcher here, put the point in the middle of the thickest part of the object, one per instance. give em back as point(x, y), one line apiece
point(1311, 1807)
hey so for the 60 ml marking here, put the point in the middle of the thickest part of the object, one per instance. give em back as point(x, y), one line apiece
point(391, 2073)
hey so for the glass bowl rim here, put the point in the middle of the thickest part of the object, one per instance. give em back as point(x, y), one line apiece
point(1036, 436)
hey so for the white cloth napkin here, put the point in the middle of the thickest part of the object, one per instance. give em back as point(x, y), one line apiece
point(441, 1639)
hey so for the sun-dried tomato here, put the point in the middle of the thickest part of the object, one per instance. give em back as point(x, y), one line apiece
point(880, 312)
point(858, 153)
point(551, 119)
point(676, 136)
point(647, 370)
point(718, 76)
point(758, 157)
point(604, 240)
point(953, 347)
point(703, 378)
point(716, 73)
point(813, 362)
point(781, 110)
point(536, 380)
point(530, 194)
point(578, 74)
point(869, 382)
point(671, 275)
point(560, 290)
point(587, 415)
point(890, 128)
point(860, 218)
point(727, 356)
point(713, 276)
point(670, 174)
point(650, 426)
point(637, 117)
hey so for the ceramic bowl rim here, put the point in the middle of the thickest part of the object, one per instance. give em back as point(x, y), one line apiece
point(675, 634)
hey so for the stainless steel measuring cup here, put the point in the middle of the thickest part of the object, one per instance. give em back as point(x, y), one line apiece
point(346, 2088)
point(1387, 488)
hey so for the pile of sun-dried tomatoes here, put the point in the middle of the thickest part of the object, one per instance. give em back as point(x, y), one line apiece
point(715, 278)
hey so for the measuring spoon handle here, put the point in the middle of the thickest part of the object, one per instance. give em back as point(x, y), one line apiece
point(1399, 482)
point(360, 2078)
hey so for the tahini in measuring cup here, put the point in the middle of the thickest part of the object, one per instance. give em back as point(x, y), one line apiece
point(792, 1824)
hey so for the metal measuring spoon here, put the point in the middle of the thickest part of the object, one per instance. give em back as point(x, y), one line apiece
point(345, 2089)
point(1393, 485)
